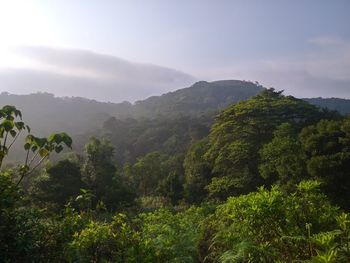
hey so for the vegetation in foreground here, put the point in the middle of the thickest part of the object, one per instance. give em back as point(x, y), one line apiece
point(269, 183)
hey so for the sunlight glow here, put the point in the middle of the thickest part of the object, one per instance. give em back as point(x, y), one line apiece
point(21, 23)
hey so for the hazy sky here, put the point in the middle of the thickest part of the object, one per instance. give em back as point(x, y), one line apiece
point(108, 49)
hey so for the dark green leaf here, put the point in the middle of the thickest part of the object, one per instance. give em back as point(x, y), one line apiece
point(58, 148)
point(34, 148)
point(13, 133)
point(27, 146)
point(8, 125)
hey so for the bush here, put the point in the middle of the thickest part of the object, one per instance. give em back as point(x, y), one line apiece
point(173, 237)
point(268, 226)
point(103, 242)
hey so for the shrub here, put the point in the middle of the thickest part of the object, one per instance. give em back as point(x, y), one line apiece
point(268, 226)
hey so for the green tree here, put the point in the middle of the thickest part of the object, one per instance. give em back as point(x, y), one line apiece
point(171, 186)
point(146, 173)
point(101, 177)
point(37, 149)
point(197, 172)
point(61, 182)
point(22, 236)
point(327, 146)
point(98, 168)
point(242, 129)
point(283, 160)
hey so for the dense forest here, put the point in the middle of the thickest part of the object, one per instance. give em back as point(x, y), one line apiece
point(83, 118)
point(219, 172)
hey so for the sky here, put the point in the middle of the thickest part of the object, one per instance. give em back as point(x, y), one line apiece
point(114, 50)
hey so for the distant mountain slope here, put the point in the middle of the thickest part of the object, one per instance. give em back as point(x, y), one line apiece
point(199, 98)
point(47, 113)
point(341, 105)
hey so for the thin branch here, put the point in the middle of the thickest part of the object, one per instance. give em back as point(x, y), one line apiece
point(33, 158)
point(27, 156)
point(32, 170)
point(4, 153)
point(38, 164)
point(5, 140)
point(14, 139)
point(23, 174)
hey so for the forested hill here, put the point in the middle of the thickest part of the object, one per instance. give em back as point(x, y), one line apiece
point(341, 105)
point(75, 115)
point(201, 97)
point(48, 113)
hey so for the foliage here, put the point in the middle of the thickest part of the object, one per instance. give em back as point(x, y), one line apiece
point(62, 182)
point(327, 146)
point(171, 186)
point(146, 173)
point(283, 160)
point(152, 170)
point(268, 226)
point(37, 149)
point(197, 172)
point(134, 138)
point(98, 168)
point(83, 117)
point(157, 174)
point(100, 175)
point(173, 237)
point(242, 129)
point(333, 246)
point(151, 203)
point(23, 234)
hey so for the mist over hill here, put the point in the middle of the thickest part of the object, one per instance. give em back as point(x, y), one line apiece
point(341, 105)
point(77, 115)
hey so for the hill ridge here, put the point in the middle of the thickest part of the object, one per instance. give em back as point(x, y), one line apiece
point(77, 115)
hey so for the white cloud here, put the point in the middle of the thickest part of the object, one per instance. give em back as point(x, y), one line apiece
point(324, 70)
point(69, 72)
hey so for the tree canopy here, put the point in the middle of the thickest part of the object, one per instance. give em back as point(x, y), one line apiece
point(241, 130)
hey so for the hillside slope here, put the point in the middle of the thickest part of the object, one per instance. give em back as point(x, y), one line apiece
point(341, 105)
point(47, 113)
point(201, 97)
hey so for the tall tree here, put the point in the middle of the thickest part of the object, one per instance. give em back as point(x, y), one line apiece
point(327, 145)
point(146, 173)
point(171, 185)
point(240, 131)
point(197, 172)
point(98, 168)
point(283, 160)
point(62, 182)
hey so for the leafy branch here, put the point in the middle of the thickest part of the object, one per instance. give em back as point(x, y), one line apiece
point(37, 149)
